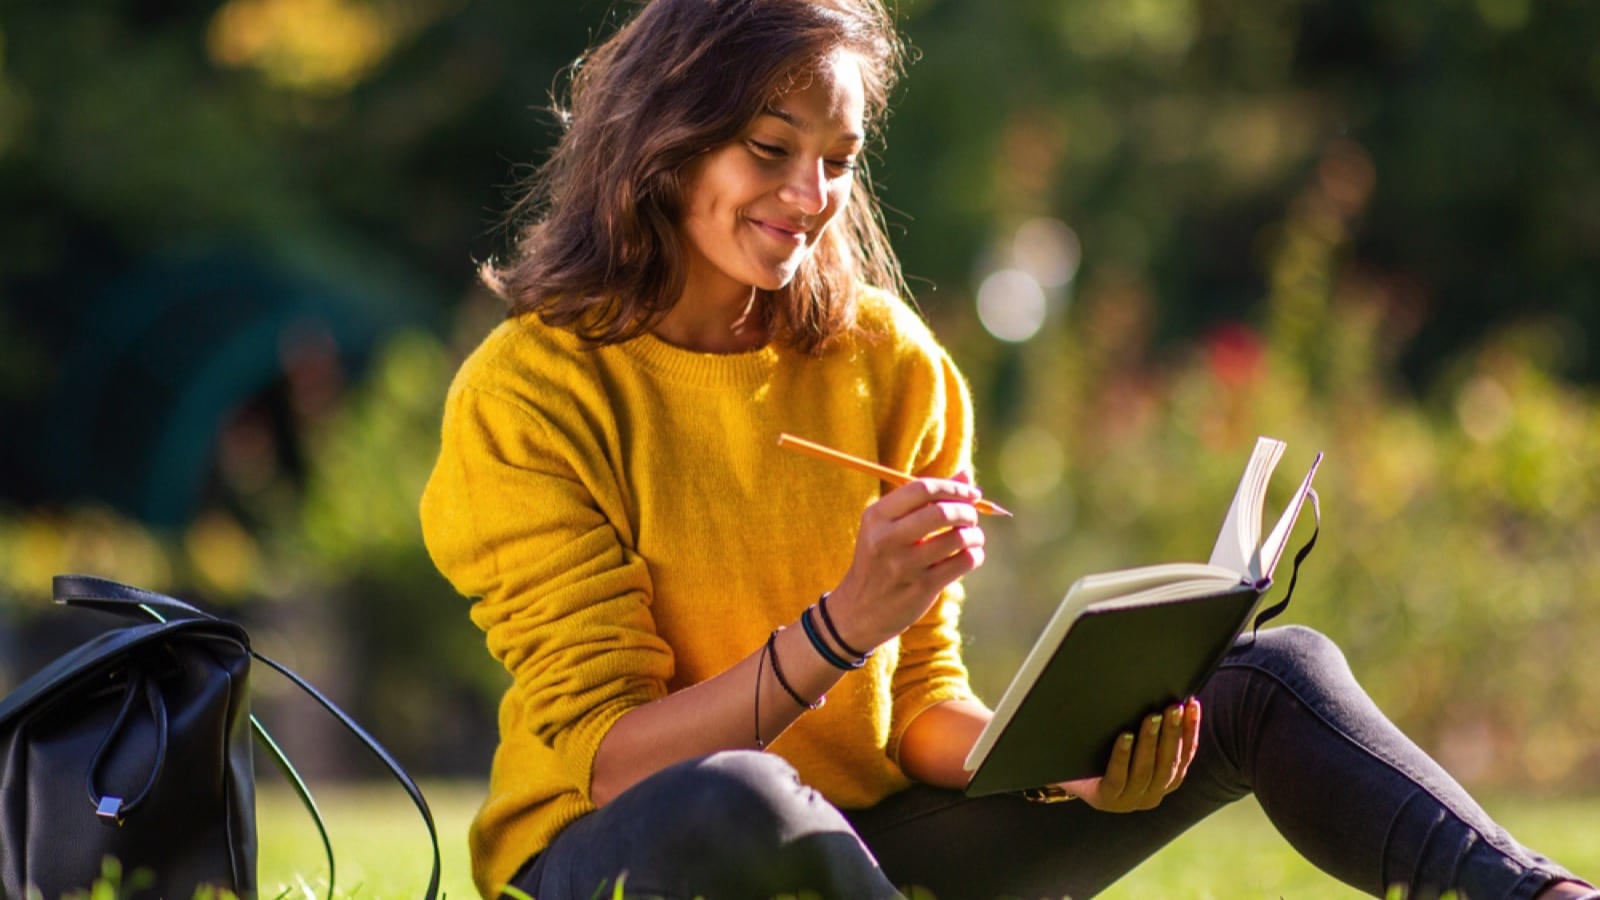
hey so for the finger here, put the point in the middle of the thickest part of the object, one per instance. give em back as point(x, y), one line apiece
point(1173, 734)
point(919, 524)
point(932, 548)
point(948, 558)
point(1191, 736)
point(956, 565)
point(1115, 781)
point(934, 517)
point(920, 492)
point(889, 522)
point(1169, 753)
point(1142, 770)
point(936, 548)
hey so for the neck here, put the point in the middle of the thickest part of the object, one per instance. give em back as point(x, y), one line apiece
point(733, 326)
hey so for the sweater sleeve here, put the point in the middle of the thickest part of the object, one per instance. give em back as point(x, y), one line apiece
point(511, 517)
point(930, 669)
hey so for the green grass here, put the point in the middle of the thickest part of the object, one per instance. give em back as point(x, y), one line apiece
point(382, 848)
point(379, 841)
point(1237, 853)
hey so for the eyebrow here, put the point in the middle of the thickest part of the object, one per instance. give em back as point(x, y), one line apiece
point(805, 124)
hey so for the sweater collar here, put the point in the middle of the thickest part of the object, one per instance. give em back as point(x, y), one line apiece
point(692, 367)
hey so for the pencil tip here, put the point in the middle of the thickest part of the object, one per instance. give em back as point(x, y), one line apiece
point(996, 509)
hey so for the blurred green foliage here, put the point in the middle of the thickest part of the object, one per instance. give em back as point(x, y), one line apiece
point(1365, 227)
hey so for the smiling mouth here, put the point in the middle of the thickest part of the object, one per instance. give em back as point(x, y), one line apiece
point(784, 233)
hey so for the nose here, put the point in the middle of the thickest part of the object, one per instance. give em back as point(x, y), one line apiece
point(806, 187)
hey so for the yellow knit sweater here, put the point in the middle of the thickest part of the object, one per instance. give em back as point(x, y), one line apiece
point(628, 526)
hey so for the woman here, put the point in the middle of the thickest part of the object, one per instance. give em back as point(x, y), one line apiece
point(675, 597)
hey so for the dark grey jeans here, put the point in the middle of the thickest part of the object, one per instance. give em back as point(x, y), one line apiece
point(1284, 718)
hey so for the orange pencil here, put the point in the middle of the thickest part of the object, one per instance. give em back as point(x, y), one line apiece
point(889, 475)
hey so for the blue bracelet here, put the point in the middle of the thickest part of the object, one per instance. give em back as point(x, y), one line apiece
point(822, 648)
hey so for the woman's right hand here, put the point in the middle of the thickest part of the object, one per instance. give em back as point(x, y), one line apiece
point(914, 541)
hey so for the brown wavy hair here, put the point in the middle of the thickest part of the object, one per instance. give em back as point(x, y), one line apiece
point(599, 249)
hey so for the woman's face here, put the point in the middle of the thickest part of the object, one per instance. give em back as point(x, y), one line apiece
point(754, 208)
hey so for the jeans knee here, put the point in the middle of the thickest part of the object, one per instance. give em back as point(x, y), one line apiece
point(741, 823)
point(743, 803)
point(1303, 646)
point(742, 785)
point(1299, 655)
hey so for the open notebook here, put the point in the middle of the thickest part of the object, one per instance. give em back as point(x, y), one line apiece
point(1125, 643)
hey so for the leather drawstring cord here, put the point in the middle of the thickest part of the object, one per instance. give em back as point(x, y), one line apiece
point(114, 810)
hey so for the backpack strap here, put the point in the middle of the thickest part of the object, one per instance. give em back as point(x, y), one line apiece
point(378, 751)
point(291, 775)
point(115, 597)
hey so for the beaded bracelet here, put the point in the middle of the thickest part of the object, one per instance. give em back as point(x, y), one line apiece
point(827, 620)
point(822, 648)
point(772, 651)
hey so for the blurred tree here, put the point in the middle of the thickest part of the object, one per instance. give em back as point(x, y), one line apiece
point(373, 143)
point(210, 177)
point(1169, 133)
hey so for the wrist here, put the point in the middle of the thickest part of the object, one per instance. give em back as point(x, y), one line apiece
point(826, 640)
point(859, 625)
point(833, 631)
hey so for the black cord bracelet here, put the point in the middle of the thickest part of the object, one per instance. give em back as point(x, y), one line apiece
point(761, 662)
point(827, 620)
point(772, 651)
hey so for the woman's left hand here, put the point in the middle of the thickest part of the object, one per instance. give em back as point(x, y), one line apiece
point(1147, 766)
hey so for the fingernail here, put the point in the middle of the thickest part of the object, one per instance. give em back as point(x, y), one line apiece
point(1153, 723)
point(1175, 714)
point(1126, 739)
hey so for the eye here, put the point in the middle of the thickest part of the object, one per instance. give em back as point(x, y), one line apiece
point(766, 150)
point(841, 167)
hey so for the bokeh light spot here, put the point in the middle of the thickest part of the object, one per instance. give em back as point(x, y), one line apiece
point(1048, 249)
point(1011, 305)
